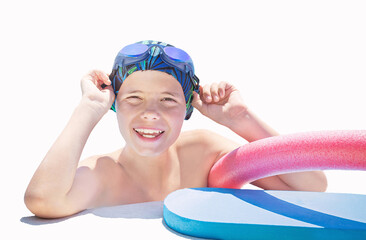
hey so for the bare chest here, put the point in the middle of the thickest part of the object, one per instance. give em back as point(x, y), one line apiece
point(190, 171)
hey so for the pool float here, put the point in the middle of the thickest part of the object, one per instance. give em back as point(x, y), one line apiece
point(323, 150)
point(225, 212)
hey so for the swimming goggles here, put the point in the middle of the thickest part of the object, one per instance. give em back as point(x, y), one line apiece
point(137, 52)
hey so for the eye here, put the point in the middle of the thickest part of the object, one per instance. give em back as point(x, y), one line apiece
point(134, 99)
point(169, 99)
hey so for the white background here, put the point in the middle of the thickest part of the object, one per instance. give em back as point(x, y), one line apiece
point(300, 66)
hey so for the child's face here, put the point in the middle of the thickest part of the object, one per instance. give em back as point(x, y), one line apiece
point(150, 100)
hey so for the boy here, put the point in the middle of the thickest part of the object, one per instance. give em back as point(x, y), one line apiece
point(153, 89)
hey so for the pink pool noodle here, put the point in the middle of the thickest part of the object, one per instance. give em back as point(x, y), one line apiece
point(325, 150)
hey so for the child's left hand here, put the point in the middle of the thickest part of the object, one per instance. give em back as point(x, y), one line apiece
point(220, 102)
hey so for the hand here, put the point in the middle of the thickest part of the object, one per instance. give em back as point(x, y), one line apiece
point(220, 102)
point(98, 98)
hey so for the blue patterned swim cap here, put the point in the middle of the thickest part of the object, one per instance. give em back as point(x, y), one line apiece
point(155, 62)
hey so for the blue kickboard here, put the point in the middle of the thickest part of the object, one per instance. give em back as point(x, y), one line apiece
point(220, 213)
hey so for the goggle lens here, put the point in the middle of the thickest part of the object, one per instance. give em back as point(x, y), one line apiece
point(134, 50)
point(177, 54)
point(138, 49)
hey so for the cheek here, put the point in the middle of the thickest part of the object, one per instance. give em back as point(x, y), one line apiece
point(176, 118)
point(122, 123)
point(124, 117)
point(178, 112)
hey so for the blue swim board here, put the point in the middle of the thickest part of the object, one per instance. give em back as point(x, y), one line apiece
point(220, 213)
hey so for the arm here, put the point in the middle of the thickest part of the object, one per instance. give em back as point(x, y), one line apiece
point(50, 192)
point(223, 104)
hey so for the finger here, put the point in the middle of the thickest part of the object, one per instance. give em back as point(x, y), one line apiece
point(98, 82)
point(197, 102)
point(200, 90)
point(109, 90)
point(221, 89)
point(206, 92)
point(102, 76)
point(93, 77)
point(100, 79)
point(214, 92)
point(97, 78)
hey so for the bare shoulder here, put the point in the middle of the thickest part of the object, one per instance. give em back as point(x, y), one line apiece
point(212, 144)
point(100, 173)
point(104, 167)
point(98, 162)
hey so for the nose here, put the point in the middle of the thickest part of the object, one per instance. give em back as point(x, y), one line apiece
point(150, 113)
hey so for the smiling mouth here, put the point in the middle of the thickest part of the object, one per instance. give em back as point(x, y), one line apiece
point(147, 133)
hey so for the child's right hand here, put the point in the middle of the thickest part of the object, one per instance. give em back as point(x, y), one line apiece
point(97, 98)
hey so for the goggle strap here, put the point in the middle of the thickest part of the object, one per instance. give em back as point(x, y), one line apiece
point(190, 99)
point(113, 108)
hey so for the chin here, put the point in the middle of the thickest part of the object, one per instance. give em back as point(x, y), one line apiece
point(154, 151)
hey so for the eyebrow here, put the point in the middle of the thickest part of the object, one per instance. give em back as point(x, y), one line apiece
point(174, 94)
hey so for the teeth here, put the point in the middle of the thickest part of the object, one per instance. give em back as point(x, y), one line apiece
point(148, 131)
point(149, 136)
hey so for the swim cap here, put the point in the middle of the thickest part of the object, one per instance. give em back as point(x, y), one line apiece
point(154, 61)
